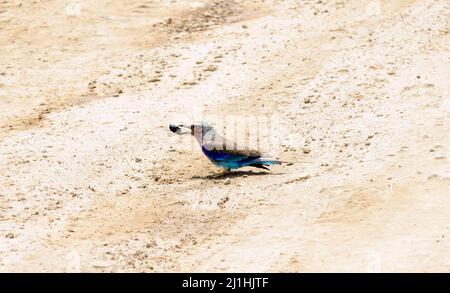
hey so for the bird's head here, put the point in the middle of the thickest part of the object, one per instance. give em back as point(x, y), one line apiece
point(197, 129)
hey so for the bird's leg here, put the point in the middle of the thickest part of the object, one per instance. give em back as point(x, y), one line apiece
point(221, 172)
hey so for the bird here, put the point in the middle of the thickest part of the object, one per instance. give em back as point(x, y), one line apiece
point(213, 146)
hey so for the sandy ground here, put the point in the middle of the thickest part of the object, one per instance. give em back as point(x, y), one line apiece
point(92, 180)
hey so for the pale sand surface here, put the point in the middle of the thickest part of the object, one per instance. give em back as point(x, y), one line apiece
point(92, 180)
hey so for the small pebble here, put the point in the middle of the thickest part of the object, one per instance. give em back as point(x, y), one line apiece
point(440, 158)
point(433, 176)
point(211, 68)
point(227, 181)
point(123, 191)
point(306, 150)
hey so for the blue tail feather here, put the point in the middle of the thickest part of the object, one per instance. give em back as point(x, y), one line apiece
point(263, 161)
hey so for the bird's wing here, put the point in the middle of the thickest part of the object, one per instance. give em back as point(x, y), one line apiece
point(219, 148)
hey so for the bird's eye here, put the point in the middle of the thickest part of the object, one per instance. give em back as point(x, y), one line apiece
point(174, 128)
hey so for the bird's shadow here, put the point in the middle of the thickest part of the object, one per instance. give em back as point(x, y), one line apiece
point(234, 174)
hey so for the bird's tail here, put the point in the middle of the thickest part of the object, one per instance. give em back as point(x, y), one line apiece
point(267, 161)
point(262, 163)
point(270, 161)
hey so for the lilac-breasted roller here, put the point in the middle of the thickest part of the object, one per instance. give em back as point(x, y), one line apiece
point(215, 149)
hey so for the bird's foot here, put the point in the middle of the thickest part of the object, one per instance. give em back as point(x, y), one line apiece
point(221, 173)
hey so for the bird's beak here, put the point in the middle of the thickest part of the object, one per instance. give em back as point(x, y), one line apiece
point(180, 129)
